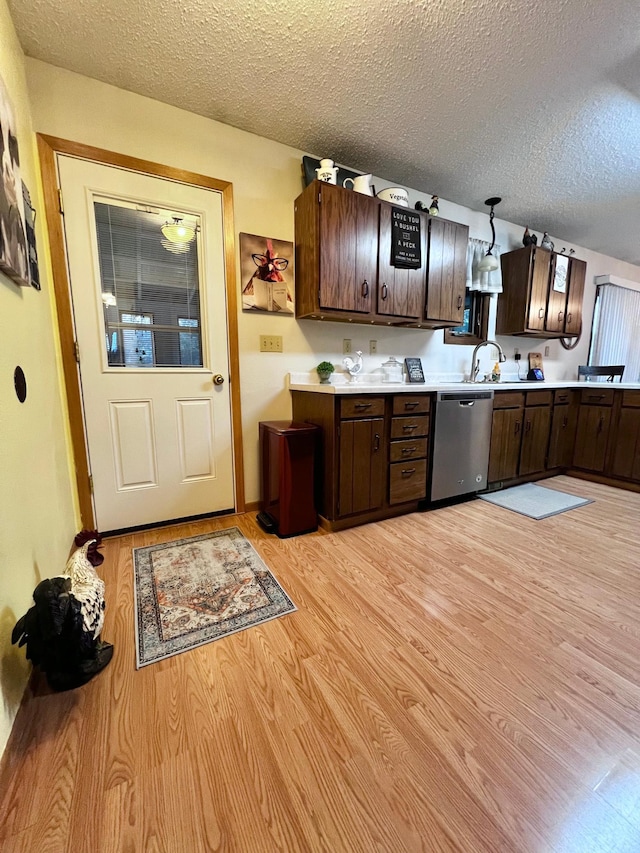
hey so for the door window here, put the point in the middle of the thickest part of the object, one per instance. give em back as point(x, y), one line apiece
point(149, 278)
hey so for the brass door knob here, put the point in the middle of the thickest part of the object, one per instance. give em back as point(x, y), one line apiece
point(218, 379)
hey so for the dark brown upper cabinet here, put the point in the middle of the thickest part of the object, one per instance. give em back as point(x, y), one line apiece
point(344, 270)
point(542, 294)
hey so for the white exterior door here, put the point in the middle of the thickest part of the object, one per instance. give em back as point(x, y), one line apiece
point(150, 319)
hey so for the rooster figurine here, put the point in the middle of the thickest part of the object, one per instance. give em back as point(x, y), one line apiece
point(353, 365)
point(62, 630)
point(529, 239)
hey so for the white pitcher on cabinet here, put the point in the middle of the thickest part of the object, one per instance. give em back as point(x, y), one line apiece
point(361, 184)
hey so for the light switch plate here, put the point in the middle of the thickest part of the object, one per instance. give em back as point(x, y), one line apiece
point(270, 343)
point(346, 345)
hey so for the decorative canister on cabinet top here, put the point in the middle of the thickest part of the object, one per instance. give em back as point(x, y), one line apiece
point(327, 172)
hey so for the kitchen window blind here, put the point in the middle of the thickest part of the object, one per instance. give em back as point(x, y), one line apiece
point(616, 330)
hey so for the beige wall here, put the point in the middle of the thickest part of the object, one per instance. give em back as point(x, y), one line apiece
point(37, 517)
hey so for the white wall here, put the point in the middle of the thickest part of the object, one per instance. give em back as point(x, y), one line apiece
point(266, 177)
point(37, 517)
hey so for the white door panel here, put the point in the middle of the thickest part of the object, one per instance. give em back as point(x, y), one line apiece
point(151, 329)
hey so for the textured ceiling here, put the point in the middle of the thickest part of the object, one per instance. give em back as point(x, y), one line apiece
point(536, 102)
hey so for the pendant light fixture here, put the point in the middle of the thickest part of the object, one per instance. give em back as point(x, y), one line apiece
point(178, 234)
point(490, 263)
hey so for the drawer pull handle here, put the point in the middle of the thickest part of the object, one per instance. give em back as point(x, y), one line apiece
point(384, 291)
point(527, 426)
point(363, 405)
point(407, 472)
point(409, 427)
point(600, 425)
point(516, 427)
point(540, 313)
point(365, 288)
point(410, 405)
point(596, 396)
point(459, 302)
point(376, 442)
point(560, 316)
point(565, 422)
point(409, 450)
point(569, 317)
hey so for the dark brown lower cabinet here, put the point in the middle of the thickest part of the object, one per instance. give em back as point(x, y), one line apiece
point(561, 440)
point(626, 454)
point(535, 439)
point(592, 435)
point(506, 437)
point(362, 465)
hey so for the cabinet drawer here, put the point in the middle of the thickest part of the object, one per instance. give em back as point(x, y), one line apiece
point(403, 450)
point(562, 396)
point(631, 398)
point(407, 405)
point(538, 398)
point(361, 407)
point(596, 397)
point(409, 427)
point(508, 400)
point(407, 481)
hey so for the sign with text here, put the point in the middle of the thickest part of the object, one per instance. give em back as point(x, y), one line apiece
point(405, 238)
point(414, 370)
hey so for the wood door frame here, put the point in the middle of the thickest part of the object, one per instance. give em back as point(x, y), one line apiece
point(48, 148)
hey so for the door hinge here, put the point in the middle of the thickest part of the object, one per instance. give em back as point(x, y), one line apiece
point(91, 483)
point(76, 351)
point(60, 202)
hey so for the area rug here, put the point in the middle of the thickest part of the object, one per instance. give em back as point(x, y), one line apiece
point(534, 501)
point(191, 591)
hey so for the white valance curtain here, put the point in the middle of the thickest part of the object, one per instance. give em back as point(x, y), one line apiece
point(485, 282)
point(616, 330)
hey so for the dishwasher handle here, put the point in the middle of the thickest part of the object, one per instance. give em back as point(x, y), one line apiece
point(466, 403)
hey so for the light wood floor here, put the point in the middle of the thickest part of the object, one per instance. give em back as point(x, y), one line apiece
point(466, 679)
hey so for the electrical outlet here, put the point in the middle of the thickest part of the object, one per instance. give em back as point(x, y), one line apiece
point(346, 345)
point(270, 343)
point(373, 347)
point(546, 351)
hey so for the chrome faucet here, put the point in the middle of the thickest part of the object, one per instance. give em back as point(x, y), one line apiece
point(475, 361)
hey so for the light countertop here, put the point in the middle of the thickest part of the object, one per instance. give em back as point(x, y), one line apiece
point(371, 384)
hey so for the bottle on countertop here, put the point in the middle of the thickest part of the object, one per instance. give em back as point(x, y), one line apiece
point(495, 373)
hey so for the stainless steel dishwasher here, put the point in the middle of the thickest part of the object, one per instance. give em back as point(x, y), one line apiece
point(462, 437)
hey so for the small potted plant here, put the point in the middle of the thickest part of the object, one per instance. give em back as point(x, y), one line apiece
point(324, 370)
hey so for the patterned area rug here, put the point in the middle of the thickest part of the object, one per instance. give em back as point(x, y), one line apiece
point(192, 591)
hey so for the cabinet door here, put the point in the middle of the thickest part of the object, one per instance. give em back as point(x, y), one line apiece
point(506, 435)
point(626, 457)
point(447, 273)
point(348, 249)
point(400, 291)
point(540, 272)
point(362, 465)
point(591, 437)
point(535, 440)
point(577, 273)
point(563, 431)
point(558, 289)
